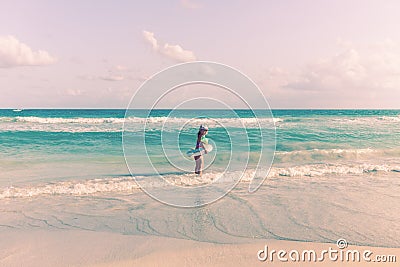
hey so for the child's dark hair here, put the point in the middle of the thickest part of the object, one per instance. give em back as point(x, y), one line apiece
point(199, 136)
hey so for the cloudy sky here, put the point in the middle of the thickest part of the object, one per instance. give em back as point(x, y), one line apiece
point(302, 54)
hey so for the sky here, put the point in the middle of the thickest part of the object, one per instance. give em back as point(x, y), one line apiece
point(301, 54)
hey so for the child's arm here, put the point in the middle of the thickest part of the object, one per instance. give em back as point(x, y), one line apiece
point(202, 145)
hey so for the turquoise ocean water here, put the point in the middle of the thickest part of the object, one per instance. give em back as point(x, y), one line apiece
point(49, 145)
point(76, 156)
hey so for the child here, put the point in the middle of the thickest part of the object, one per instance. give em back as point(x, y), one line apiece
point(201, 140)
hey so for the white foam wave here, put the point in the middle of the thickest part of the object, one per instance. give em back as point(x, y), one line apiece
point(209, 121)
point(362, 120)
point(51, 120)
point(80, 120)
point(72, 188)
point(128, 184)
point(388, 118)
point(327, 169)
point(81, 124)
point(179, 120)
point(339, 121)
point(291, 156)
point(329, 151)
point(116, 124)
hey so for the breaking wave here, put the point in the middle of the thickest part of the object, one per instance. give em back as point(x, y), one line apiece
point(47, 124)
point(128, 184)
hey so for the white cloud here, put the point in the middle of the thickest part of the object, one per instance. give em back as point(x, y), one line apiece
point(112, 78)
point(366, 68)
point(178, 53)
point(175, 52)
point(120, 67)
point(357, 76)
point(74, 92)
point(190, 4)
point(113, 74)
point(13, 53)
point(108, 77)
point(86, 77)
point(149, 36)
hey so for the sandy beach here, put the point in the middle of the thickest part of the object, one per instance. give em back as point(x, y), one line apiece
point(100, 249)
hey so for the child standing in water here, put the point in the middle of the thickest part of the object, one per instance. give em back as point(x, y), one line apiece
point(201, 140)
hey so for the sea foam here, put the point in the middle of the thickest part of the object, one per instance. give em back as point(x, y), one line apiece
point(48, 124)
point(128, 184)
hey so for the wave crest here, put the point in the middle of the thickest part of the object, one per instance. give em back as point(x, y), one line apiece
point(127, 184)
point(116, 124)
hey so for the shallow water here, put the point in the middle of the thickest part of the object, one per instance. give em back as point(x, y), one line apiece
point(313, 209)
point(336, 173)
